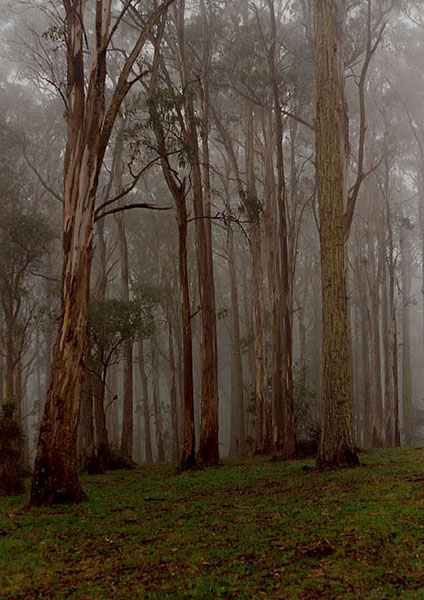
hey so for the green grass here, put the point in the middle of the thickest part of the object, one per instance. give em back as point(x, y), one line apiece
point(248, 529)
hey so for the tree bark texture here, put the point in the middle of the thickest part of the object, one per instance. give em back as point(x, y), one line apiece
point(336, 448)
point(145, 403)
point(208, 451)
point(406, 333)
point(157, 407)
point(89, 129)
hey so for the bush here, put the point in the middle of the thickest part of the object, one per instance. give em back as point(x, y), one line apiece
point(11, 441)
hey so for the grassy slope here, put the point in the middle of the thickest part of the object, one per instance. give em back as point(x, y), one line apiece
point(253, 529)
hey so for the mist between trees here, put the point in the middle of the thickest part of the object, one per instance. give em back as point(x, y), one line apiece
point(212, 233)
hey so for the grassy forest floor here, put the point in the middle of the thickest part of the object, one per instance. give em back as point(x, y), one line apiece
point(247, 529)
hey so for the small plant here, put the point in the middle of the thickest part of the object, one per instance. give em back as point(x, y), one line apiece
point(11, 441)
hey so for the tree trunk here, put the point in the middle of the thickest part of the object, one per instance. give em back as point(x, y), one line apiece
point(252, 206)
point(86, 457)
point(178, 189)
point(238, 426)
point(284, 426)
point(127, 433)
point(156, 399)
point(145, 402)
point(173, 393)
point(406, 338)
point(388, 368)
point(392, 308)
point(374, 318)
point(336, 446)
point(208, 451)
point(89, 130)
point(55, 477)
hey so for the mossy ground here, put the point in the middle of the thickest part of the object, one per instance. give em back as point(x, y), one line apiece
point(247, 529)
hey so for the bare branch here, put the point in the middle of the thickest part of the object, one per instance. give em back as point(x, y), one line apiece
point(130, 207)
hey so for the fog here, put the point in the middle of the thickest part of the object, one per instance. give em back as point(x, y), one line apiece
point(206, 217)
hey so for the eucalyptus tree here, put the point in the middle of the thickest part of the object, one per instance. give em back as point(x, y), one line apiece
point(336, 444)
point(90, 124)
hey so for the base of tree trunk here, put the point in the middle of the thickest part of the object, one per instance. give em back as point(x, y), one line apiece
point(281, 455)
point(207, 456)
point(52, 491)
point(187, 462)
point(345, 458)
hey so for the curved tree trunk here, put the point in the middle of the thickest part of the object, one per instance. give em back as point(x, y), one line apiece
point(89, 129)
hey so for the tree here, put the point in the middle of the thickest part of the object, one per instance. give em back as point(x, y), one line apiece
point(112, 323)
point(336, 445)
point(89, 129)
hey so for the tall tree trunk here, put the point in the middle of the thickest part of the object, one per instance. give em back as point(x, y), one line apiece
point(89, 129)
point(238, 425)
point(406, 337)
point(208, 451)
point(156, 399)
point(86, 427)
point(374, 271)
point(336, 446)
point(102, 438)
point(177, 187)
point(127, 434)
point(284, 426)
point(173, 393)
point(145, 403)
point(252, 205)
point(388, 367)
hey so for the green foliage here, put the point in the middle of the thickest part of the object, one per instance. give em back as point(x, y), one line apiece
point(112, 321)
point(166, 105)
point(250, 529)
point(55, 33)
point(24, 240)
point(11, 441)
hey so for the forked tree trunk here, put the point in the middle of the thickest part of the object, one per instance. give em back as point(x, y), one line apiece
point(336, 446)
point(89, 129)
point(55, 477)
